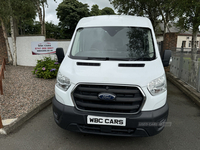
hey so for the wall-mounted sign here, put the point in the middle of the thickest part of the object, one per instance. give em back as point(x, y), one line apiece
point(40, 48)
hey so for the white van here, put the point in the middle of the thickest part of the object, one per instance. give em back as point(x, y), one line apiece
point(112, 80)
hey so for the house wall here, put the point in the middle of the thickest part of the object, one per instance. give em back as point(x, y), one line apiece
point(24, 51)
point(3, 50)
point(174, 40)
point(187, 39)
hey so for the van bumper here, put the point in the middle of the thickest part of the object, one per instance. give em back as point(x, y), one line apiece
point(145, 123)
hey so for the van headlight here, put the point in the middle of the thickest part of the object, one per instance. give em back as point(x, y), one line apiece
point(62, 82)
point(157, 86)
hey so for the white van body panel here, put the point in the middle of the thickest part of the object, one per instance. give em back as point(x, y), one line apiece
point(112, 74)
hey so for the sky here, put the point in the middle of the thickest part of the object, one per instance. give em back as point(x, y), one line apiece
point(52, 5)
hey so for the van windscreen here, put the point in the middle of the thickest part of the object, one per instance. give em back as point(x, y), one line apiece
point(113, 43)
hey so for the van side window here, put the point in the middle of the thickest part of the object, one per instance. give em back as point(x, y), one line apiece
point(76, 45)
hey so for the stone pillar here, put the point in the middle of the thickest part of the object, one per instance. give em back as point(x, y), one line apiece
point(170, 42)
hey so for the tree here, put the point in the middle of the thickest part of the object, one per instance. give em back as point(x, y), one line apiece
point(4, 13)
point(11, 11)
point(52, 31)
point(26, 17)
point(40, 7)
point(167, 11)
point(30, 27)
point(138, 7)
point(69, 13)
point(107, 11)
point(10, 6)
point(156, 10)
point(95, 11)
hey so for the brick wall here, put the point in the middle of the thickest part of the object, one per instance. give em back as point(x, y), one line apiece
point(170, 42)
point(3, 51)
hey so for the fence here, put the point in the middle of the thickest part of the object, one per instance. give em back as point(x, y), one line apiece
point(186, 66)
point(1, 85)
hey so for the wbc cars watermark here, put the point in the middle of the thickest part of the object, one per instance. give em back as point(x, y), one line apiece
point(155, 124)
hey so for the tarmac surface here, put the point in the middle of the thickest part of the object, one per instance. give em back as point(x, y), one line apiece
point(42, 133)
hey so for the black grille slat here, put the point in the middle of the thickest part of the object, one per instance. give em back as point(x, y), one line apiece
point(114, 130)
point(100, 106)
point(110, 90)
point(118, 99)
point(90, 97)
point(128, 99)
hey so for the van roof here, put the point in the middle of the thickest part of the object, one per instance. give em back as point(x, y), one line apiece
point(114, 20)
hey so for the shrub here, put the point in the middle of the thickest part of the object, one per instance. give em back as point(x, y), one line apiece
point(46, 68)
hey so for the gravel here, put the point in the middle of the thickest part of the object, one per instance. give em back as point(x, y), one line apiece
point(23, 91)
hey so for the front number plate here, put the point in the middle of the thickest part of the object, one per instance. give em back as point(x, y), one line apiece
point(106, 121)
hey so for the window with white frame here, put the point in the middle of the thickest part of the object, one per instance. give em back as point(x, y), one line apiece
point(184, 43)
point(190, 43)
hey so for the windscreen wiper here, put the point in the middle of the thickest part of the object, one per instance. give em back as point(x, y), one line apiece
point(121, 59)
point(144, 58)
point(108, 58)
point(98, 58)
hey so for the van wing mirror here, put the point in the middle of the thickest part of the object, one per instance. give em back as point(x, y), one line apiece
point(166, 57)
point(60, 54)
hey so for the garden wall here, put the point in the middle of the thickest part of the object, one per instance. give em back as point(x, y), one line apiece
point(24, 51)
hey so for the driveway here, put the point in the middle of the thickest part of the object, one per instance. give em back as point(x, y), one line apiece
point(41, 132)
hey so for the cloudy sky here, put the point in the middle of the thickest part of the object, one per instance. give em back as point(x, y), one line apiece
point(51, 10)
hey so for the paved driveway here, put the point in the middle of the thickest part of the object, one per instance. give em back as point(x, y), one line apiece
point(41, 133)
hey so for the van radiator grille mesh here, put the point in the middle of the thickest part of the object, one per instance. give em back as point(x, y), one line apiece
point(128, 99)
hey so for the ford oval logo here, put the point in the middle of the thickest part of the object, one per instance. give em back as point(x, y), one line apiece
point(106, 96)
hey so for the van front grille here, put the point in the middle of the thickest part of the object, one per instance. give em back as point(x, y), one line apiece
point(128, 99)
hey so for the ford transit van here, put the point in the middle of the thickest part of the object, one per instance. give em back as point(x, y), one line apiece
point(112, 80)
